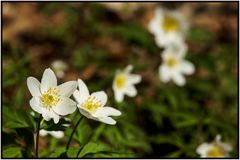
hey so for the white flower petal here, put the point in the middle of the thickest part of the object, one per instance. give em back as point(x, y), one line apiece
point(101, 95)
point(77, 96)
point(48, 80)
point(54, 116)
point(85, 112)
point(179, 79)
point(131, 91)
point(187, 67)
point(67, 88)
point(57, 134)
point(43, 132)
point(45, 114)
point(164, 73)
point(203, 149)
point(226, 147)
point(64, 107)
point(134, 78)
point(119, 95)
point(33, 86)
point(48, 114)
point(81, 94)
point(128, 69)
point(34, 103)
point(107, 111)
point(108, 120)
point(218, 138)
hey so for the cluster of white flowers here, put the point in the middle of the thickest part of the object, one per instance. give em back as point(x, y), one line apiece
point(53, 101)
point(169, 29)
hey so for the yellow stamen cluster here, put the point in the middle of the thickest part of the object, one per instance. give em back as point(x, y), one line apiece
point(91, 104)
point(215, 151)
point(172, 62)
point(170, 24)
point(120, 81)
point(50, 98)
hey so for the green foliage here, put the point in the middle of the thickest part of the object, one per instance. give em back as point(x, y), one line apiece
point(162, 121)
point(16, 118)
point(12, 152)
point(91, 148)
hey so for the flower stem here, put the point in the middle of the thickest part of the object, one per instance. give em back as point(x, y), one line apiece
point(37, 137)
point(74, 129)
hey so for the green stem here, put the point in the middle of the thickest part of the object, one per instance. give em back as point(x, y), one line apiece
point(74, 129)
point(37, 137)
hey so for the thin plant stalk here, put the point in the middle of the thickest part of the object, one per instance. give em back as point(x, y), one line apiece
point(37, 136)
point(73, 131)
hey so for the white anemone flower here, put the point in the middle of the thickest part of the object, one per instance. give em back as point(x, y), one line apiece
point(214, 149)
point(56, 134)
point(59, 67)
point(93, 106)
point(49, 99)
point(174, 65)
point(124, 83)
point(168, 26)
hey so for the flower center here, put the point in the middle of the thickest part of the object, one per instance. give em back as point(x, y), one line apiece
point(50, 98)
point(215, 151)
point(170, 24)
point(120, 81)
point(172, 62)
point(91, 104)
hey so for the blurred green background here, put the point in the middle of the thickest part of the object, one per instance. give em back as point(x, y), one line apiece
point(96, 39)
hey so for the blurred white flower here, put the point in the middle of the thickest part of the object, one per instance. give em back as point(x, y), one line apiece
point(59, 67)
point(56, 134)
point(215, 149)
point(124, 83)
point(174, 65)
point(49, 99)
point(92, 106)
point(168, 26)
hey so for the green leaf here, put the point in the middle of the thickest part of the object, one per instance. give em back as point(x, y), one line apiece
point(83, 132)
point(13, 152)
point(57, 152)
point(92, 147)
point(72, 152)
point(16, 118)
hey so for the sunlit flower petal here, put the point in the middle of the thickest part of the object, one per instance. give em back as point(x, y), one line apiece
point(108, 120)
point(61, 108)
point(34, 103)
point(48, 80)
point(107, 111)
point(83, 92)
point(66, 89)
point(33, 86)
